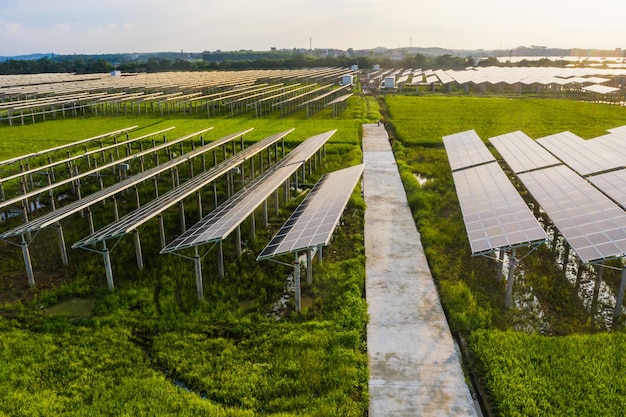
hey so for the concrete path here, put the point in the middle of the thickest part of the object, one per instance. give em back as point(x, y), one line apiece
point(415, 369)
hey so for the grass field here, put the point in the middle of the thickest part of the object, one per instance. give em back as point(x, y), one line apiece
point(150, 348)
point(555, 371)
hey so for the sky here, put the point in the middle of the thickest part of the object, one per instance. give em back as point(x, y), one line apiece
point(117, 26)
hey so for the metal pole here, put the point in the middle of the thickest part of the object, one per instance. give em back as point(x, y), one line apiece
point(183, 225)
point(509, 281)
point(138, 253)
point(62, 243)
point(252, 227)
point(296, 277)
point(266, 222)
point(198, 268)
point(162, 230)
point(320, 258)
point(29, 266)
point(309, 267)
point(620, 298)
point(596, 290)
point(579, 275)
point(500, 264)
point(238, 241)
point(90, 220)
point(107, 266)
point(276, 202)
point(199, 199)
point(220, 259)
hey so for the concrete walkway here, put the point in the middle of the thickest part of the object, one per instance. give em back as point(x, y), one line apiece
point(414, 367)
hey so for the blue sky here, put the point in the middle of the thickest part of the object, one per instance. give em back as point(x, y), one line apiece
point(110, 26)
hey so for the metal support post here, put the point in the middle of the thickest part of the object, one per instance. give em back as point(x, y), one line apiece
point(183, 225)
point(596, 290)
point(116, 212)
point(276, 202)
point(509, 281)
point(309, 267)
point(579, 274)
point(62, 243)
point(107, 266)
point(320, 258)
point(238, 241)
point(220, 259)
point(266, 222)
point(252, 227)
point(500, 264)
point(90, 220)
point(198, 269)
point(199, 200)
point(27, 263)
point(138, 253)
point(161, 230)
point(620, 298)
point(296, 279)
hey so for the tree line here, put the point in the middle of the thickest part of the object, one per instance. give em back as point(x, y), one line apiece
point(85, 64)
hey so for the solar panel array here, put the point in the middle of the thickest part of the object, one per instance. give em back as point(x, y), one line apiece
point(136, 218)
point(313, 222)
point(69, 145)
point(574, 77)
point(95, 171)
point(615, 144)
point(612, 184)
point(582, 156)
point(522, 153)
point(593, 225)
point(90, 199)
point(495, 215)
point(466, 149)
point(224, 219)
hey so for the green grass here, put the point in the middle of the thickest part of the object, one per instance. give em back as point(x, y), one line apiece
point(533, 375)
point(152, 332)
point(149, 347)
point(578, 372)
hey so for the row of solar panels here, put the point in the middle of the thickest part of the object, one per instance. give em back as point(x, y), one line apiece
point(589, 212)
point(311, 225)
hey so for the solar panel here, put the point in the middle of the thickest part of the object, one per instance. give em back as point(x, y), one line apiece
point(95, 171)
point(136, 218)
point(90, 199)
point(613, 184)
point(494, 214)
point(466, 149)
point(582, 156)
point(593, 225)
point(615, 144)
point(621, 129)
point(43, 168)
point(225, 218)
point(522, 153)
point(60, 147)
point(315, 219)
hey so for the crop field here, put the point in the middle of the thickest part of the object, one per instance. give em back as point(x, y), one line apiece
point(71, 346)
point(548, 355)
